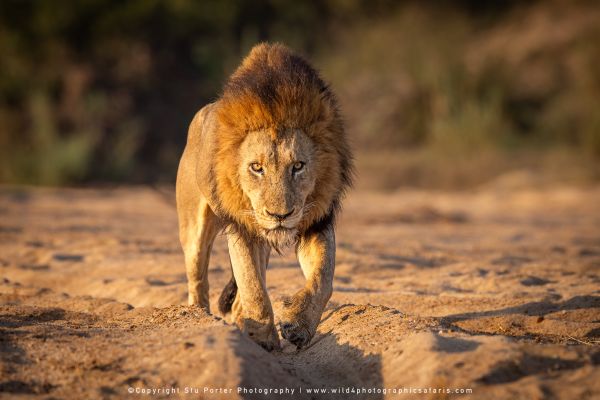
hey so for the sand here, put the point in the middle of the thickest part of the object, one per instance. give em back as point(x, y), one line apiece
point(494, 291)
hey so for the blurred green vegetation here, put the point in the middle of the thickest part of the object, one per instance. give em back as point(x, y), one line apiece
point(436, 94)
point(440, 97)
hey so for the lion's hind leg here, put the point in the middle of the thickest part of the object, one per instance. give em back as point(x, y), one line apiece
point(228, 295)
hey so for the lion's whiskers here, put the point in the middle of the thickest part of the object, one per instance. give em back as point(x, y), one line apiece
point(289, 223)
point(308, 206)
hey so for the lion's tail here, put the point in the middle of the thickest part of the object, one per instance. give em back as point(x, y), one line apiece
point(227, 296)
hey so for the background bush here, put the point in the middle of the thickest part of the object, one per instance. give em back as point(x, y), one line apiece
point(436, 94)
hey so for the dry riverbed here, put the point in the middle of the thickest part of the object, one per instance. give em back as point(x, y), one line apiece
point(496, 290)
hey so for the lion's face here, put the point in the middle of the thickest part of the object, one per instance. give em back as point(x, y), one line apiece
point(277, 175)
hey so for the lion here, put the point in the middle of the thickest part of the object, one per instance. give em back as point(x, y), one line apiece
point(268, 163)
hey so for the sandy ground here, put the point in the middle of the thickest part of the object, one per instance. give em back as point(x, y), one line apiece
point(496, 290)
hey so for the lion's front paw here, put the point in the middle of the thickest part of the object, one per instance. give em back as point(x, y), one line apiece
point(295, 333)
point(269, 346)
point(270, 343)
point(265, 335)
point(300, 319)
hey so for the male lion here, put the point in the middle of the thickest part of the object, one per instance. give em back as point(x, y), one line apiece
point(268, 162)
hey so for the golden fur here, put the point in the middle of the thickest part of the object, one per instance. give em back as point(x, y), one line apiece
point(275, 110)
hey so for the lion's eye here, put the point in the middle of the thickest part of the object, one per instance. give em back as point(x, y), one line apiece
point(256, 168)
point(297, 167)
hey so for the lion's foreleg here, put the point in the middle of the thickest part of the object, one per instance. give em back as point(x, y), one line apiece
point(302, 313)
point(197, 237)
point(252, 311)
point(263, 261)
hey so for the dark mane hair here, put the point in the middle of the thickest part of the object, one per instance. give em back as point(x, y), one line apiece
point(276, 90)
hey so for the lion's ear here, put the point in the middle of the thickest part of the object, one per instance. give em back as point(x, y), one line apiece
point(328, 108)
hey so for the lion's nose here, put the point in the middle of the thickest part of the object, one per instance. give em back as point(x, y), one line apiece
point(279, 217)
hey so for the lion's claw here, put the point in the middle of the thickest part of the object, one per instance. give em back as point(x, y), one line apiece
point(295, 334)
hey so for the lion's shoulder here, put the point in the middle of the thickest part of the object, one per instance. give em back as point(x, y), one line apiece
point(199, 156)
point(202, 126)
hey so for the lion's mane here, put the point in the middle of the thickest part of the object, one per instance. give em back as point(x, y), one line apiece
point(277, 90)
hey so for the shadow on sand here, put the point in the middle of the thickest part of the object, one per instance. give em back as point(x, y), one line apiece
point(324, 369)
